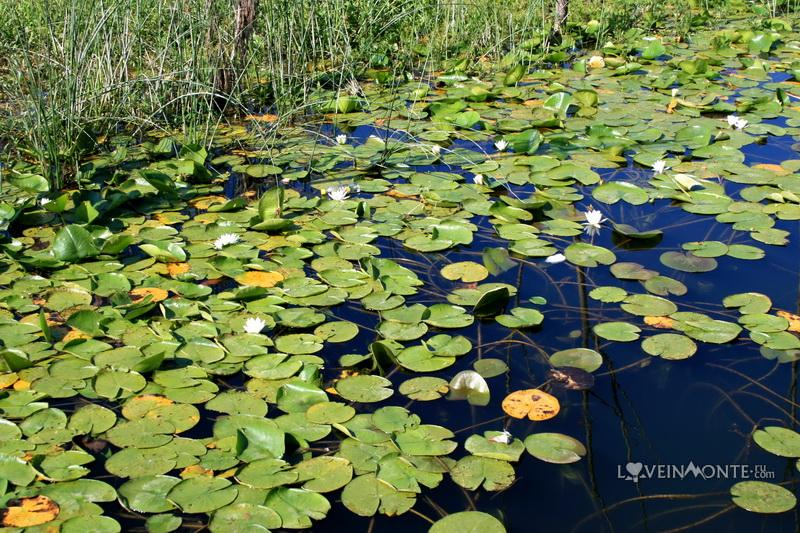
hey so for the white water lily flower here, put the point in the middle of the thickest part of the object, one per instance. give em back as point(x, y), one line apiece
point(469, 385)
point(254, 325)
point(736, 122)
point(44, 201)
point(593, 217)
point(659, 166)
point(505, 437)
point(339, 193)
point(556, 258)
point(341, 139)
point(675, 92)
point(501, 145)
point(478, 179)
point(436, 149)
point(591, 231)
point(226, 239)
point(596, 62)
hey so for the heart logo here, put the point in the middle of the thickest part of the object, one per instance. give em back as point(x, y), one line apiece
point(634, 468)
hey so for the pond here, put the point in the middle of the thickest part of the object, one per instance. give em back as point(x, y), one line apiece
point(559, 299)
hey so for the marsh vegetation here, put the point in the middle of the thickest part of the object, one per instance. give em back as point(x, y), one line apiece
point(386, 265)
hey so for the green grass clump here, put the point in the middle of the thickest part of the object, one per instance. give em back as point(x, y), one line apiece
point(74, 71)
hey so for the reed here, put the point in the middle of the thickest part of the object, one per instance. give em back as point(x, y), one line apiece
point(75, 71)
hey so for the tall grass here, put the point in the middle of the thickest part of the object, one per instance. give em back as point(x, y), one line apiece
point(77, 69)
point(74, 71)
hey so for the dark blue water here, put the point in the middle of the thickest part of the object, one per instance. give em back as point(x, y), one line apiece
point(641, 409)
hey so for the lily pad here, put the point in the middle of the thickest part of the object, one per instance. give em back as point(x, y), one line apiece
point(202, 494)
point(583, 358)
point(762, 497)
point(244, 517)
point(554, 448)
point(617, 331)
point(468, 522)
point(466, 271)
point(589, 255)
point(474, 471)
point(365, 495)
point(424, 388)
point(687, 262)
point(367, 389)
point(780, 441)
point(669, 346)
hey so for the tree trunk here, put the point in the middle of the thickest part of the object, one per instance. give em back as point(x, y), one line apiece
point(562, 12)
point(231, 67)
point(245, 18)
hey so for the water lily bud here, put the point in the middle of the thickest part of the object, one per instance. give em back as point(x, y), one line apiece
point(596, 62)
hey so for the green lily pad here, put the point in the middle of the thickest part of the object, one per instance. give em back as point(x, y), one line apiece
point(297, 507)
point(468, 522)
point(244, 517)
point(448, 316)
point(669, 346)
point(466, 271)
point(474, 471)
point(16, 470)
point(299, 396)
point(73, 243)
point(202, 494)
point(706, 248)
point(589, 255)
point(762, 497)
point(495, 445)
point(299, 343)
point(583, 358)
point(99, 524)
point(163, 523)
point(324, 474)
point(664, 286)
point(648, 305)
point(780, 441)
point(614, 191)
point(330, 413)
point(705, 329)
point(521, 317)
point(635, 271)
point(687, 262)
point(148, 494)
point(608, 294)
point(554, 448)
point(489, 367)
point(749, 302)
point(364, 388)
point(424, 388)
point(617, 331)
point(365, 495)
